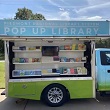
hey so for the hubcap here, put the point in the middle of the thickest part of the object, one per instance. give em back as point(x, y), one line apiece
point(55, 95)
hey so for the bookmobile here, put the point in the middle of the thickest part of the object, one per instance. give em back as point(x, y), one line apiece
point(51, 60)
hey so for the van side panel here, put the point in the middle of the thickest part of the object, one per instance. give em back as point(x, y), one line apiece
point(100, 73)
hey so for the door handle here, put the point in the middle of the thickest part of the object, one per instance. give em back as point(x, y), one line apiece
point(108, 71)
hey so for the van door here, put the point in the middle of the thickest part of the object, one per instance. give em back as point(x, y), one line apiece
point(105, 62)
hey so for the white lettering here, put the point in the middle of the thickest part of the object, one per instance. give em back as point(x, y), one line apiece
point(6, 30)
point(35, 31)
point(65, 31)
point(73, 31)
point(22, 30)
point(81, 31)
point(14, 30)
point(88, 31)
point(59, 31)
point(96, 30)
point(42, 30)
point(53, 31)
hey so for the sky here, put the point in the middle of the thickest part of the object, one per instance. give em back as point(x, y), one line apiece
point(59, 9)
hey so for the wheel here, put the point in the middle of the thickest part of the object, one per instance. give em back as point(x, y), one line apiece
point(55, 95)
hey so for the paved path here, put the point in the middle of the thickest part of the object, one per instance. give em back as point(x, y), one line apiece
point(76, 104)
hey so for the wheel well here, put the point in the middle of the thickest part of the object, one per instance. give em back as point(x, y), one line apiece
point(68, 94)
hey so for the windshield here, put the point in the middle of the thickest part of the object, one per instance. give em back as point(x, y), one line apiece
point(105, 57)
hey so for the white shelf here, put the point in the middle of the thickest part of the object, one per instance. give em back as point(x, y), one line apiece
point(28, 63)
point(26, 75)
point(71, 62)
point(51, 62)
point(73, 74)
point(54, 62)
point(26, 50)
point(50, 74)
point(72, 50)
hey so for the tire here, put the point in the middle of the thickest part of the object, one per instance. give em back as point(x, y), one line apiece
point(55, 95)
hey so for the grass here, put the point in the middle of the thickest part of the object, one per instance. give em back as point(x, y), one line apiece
point(2, 74)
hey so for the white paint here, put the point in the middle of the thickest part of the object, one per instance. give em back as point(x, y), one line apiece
point(15, 30)
point(6, 29)
point(80, 32)
point(96, 30)
point(53, 32)
point(73, 30)
point(42, 30)
point(65, 31)
point(22, 30)
point(88, 31)
point(35, 30)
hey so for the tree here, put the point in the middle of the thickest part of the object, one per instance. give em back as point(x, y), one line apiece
point(1, 46)
point(27, 14)
point(103, 43)
point(23, 14)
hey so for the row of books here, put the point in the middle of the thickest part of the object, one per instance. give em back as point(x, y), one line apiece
point(62, 71)
point(51, 59)
point(65, 47)
point(26, 60)
point(75, 70)
point(73, 47)
point(27, 48)
point(21, 73)
point(65, 59)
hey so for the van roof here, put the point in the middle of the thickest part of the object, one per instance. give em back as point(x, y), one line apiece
point(102, 49)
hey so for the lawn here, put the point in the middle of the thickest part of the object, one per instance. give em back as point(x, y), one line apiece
point(2, 74)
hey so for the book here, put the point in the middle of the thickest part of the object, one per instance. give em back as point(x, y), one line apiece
point(62, 48)
point(78, 59)
point(79, 70)
point(75, 71)
point(44, 71)
point(56, 58)
point(72, 60)
point(54, 70)
point(15, 48)
point(73, 46)
point(72, 71)
point(65, 70)
point(76, 47)
point(81, 47)
point(67, 47)
point(84, 70)
point(36, 59)
point(63, 59)
point(83, 59)
point(22, 48)
point(49, 70)
point(61, 70)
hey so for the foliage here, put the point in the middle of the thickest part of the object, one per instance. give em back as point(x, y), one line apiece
point(27, 14)
point(22, 14)
point(103, 43)
point(1, 46)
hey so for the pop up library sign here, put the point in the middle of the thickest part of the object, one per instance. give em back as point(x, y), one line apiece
point(36, 28)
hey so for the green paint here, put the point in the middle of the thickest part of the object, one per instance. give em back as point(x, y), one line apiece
point(33, 90)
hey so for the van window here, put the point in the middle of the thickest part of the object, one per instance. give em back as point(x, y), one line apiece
point(105, 57)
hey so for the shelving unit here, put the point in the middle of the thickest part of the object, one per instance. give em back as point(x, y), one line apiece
point(45, 63)
point(26, 50)
point(27, 63)
point(72, 50)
